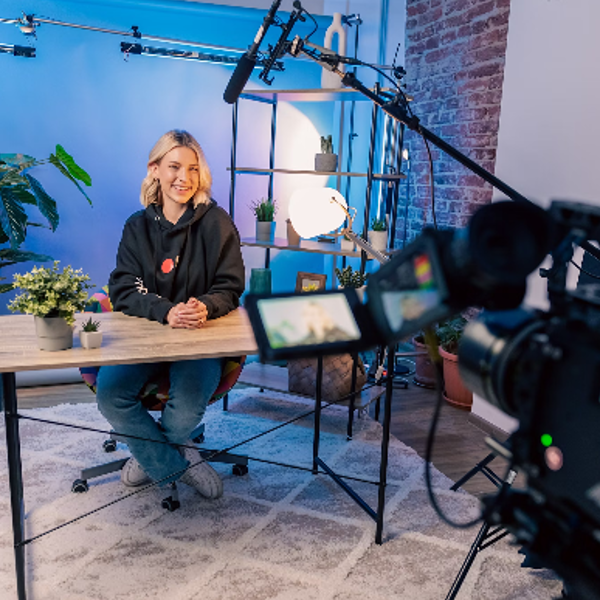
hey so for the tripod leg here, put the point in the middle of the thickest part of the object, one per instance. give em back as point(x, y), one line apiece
point(464, 569)
point(478, 467)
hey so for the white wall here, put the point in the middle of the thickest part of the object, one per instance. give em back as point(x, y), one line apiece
point(549, 125)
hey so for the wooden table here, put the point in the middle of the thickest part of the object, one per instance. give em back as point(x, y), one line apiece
point(126, 340)
point(129, 340)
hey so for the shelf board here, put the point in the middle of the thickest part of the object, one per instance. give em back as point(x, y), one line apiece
point(271, 377)
point(305, 246)
point(314, 95)
point(376, 176)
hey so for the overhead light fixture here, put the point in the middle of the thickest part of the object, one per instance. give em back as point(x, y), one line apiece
point(320, 211)
point(26, 51)
point(129, 48)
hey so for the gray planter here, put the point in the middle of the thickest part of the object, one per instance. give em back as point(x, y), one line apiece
point(265, 231)
point(53, 333)
point(326, 162)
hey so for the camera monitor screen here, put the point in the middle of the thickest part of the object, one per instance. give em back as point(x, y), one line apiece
point(407, 293)
point(287, 325)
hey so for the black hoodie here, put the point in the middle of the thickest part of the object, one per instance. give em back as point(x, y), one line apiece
point(160, 264)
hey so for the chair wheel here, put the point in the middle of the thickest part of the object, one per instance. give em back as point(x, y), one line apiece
point(109, 445)
point(170, 504)
point(80, 486)
point(199, 439)
point(239, 470)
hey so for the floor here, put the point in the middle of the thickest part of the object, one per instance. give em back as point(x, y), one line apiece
point(459, 444)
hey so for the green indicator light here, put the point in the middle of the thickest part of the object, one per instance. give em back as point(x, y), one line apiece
point(546, 440)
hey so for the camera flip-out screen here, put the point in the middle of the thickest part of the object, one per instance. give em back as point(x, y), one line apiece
point(308, 324)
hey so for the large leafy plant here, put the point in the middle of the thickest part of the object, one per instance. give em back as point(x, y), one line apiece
point(19, 188)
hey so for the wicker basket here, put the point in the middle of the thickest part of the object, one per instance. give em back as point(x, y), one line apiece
point(337, 376)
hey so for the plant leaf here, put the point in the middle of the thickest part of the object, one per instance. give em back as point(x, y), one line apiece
point(56, 162)
point(23, 195)
point(5, 287)
point(45, 203)
point(20, 161)
point(13, 219)
point(3, 236)
point(72, 166)
point(10, 256)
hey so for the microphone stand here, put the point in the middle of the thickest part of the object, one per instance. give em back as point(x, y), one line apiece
point(397, 107)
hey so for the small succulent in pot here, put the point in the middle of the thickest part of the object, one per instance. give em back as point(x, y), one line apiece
point(348, 278)
point(327, 160)
point(90, 325)
point(326, 144)
point(378, 225)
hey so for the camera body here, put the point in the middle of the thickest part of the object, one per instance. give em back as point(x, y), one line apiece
point(542, 367)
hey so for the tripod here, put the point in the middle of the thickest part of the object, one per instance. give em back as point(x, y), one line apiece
point(486, 535)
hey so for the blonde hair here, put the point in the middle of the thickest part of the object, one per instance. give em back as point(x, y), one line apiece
point(150, 192)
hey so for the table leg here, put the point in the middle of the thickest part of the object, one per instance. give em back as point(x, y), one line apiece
point(317, 430)
point(8, 401)
point(385, 444)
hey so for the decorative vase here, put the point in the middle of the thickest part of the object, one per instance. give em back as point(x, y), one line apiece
point(90, 339)
point(260, 281)
point(265, 231)
point(53, 333)
point(293, 237)
point(329, 80)
point(424, 368)
point(326, 162)
point(455, 391)
point(378, 239)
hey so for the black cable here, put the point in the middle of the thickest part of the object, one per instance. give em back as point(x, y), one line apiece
point(313, 20)
point(429, 449)
point(583, 270)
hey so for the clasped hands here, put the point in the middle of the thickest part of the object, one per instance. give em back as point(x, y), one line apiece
point(191, 315)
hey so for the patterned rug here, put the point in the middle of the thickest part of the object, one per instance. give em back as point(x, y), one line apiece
point(277, 533)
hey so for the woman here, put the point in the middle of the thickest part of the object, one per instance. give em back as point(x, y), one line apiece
point(179, 263)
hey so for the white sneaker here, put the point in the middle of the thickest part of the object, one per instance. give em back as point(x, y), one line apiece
point(132, 474)
point(202, 476)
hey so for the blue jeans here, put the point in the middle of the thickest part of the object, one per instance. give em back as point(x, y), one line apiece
point(192, 383)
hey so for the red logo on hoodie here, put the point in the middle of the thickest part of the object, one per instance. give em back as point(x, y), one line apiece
point(167, 266)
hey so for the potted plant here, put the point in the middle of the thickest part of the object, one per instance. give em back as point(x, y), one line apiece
point(327, 160)
point(90, 335)
point(18, 188)
point(424, 368)
point(378, 235)
point(348, 278)
point(449, 334)
point(53, 297)
point(264, 211)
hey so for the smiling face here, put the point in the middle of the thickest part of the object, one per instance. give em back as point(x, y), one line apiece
point(178, 173)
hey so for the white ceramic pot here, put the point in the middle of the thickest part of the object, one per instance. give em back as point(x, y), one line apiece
point(53, 333)
point(265, 231)
point(326, 162)
point(347, 245)
point(90, 339)
point(361, 293)
point(378, 239)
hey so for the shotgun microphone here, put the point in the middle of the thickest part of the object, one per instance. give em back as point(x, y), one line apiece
point(247, 62)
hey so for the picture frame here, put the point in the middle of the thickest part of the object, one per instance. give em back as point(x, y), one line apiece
point(310, 282)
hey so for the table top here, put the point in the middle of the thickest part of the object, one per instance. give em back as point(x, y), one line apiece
point(125, 340)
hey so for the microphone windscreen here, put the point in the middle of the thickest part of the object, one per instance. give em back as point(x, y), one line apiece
point(239, 77)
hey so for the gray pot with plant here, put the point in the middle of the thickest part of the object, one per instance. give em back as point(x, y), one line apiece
point(327, 160)
point(90, 335)
point(52, 297)
point(264, 211)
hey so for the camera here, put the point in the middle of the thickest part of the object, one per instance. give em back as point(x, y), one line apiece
point(542, 367)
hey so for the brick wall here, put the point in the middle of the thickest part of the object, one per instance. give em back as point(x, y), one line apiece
point(455, 54)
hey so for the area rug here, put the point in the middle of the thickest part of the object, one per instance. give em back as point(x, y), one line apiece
point(277, 533)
